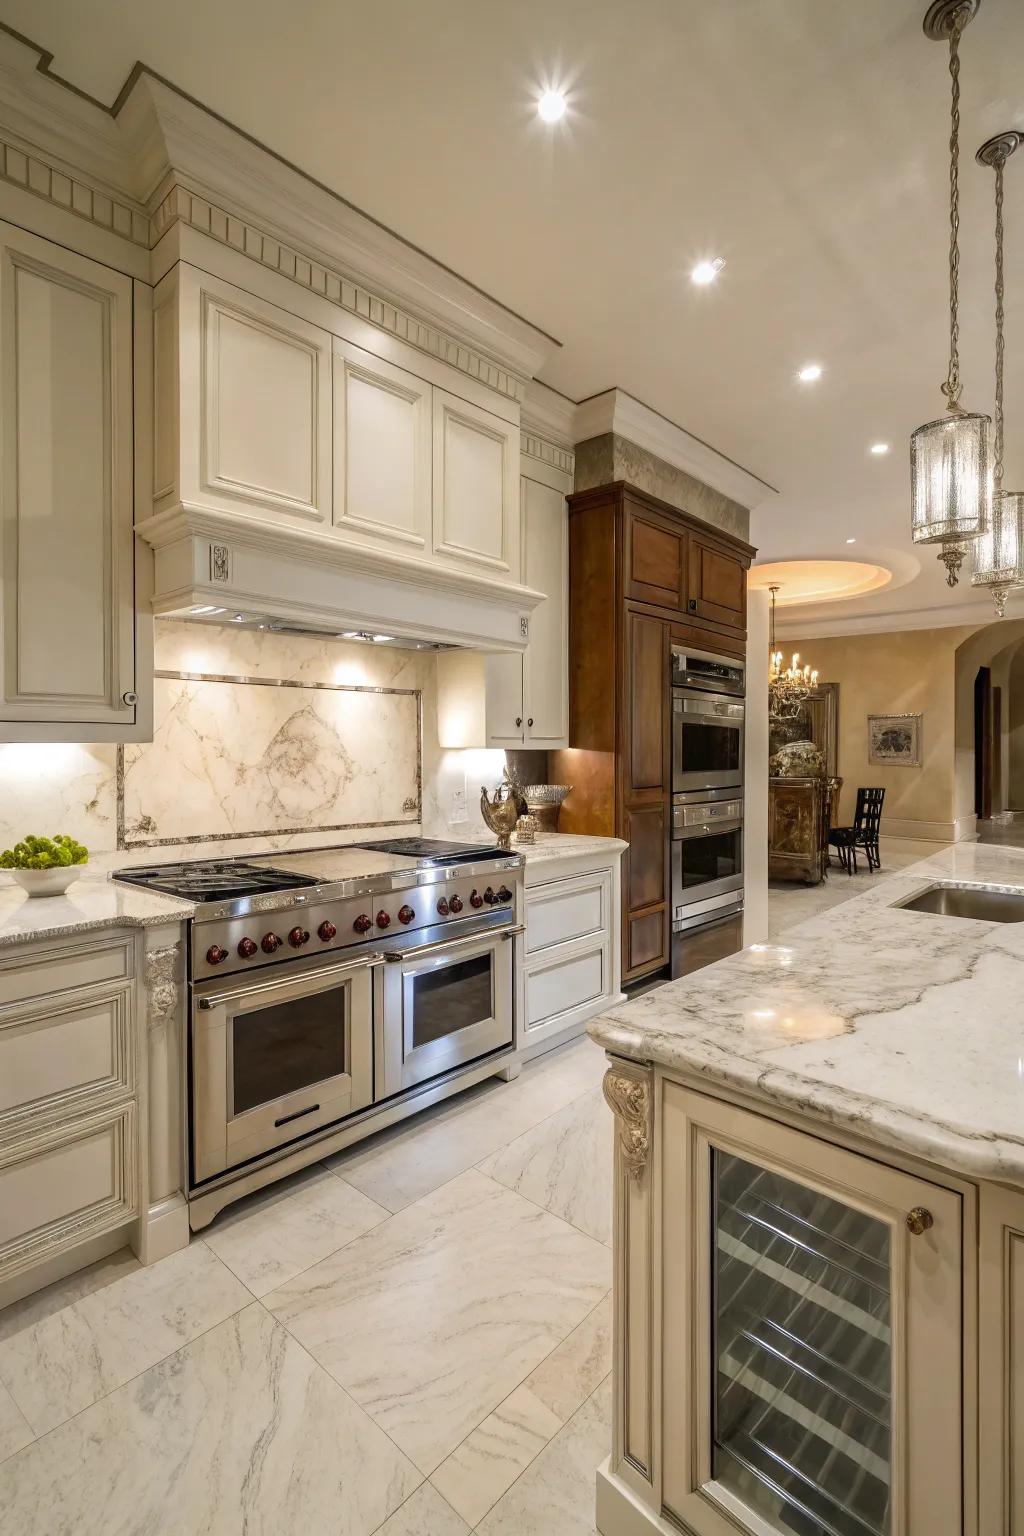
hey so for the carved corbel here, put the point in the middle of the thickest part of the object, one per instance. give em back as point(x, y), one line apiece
point(627, 1090)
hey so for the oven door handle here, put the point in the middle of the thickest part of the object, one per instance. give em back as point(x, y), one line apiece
point(705, 829)
point(395, 956)
point(709, 711)
point(285, 982)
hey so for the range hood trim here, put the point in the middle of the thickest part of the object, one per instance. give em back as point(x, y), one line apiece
point(305, 576)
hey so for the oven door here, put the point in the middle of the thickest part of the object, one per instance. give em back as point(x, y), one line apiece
point(707, 857)
point(272, 1060)
point(707, 741)
point(445, 1004)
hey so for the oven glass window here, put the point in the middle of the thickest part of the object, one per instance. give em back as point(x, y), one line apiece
point(287, 1047)
point(452, 998)
point(716, 857)
point(710, 749)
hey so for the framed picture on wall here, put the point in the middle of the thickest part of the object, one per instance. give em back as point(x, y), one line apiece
point(894, 741)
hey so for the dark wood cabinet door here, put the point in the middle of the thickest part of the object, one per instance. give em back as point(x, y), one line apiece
point(655, 559)
point(716, 584)
point(647, 689)
point(645, 916)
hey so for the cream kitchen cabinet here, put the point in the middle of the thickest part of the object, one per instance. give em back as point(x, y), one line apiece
point(382, 451)
point(243, 403)
point(476, 496)
point(68, 635)
point(528, 693)
point(1001, 1362)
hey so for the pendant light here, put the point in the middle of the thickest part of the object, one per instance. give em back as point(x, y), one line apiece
point(950, 470)
point(998, 554)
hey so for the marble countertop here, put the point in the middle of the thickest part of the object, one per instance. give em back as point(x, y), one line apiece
point(93, 901)
point(902, 1027)
point(566, 845)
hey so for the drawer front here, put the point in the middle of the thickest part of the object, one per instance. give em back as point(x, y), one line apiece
point(61, 1058)
point(567, 910)
point(58, 1190)
point(561, 984)
point(50, 968)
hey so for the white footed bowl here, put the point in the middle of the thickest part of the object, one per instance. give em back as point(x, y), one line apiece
point(47, 882)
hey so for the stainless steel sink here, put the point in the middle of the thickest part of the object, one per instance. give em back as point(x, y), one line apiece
point(948, 899)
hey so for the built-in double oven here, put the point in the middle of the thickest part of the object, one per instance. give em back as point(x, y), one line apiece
point(708, 710)
point(282, 1052)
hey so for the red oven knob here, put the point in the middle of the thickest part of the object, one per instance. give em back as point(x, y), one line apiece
point(247, 948)
point(269, 943)
point(362, 924)
point(406, 914)
point(455, 905)
point(383, 919)
point(298, 937)
point(504, 894)
point(475, 899)
point(327, 931)
point(214, 955)
point(442, 907)
point(490, 897)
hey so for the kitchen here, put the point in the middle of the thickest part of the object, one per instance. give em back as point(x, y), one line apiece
point(387, 1018)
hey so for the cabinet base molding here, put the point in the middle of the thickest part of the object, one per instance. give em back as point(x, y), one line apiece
point(63, 1264)
point(620, 1513)
point(163, 1230)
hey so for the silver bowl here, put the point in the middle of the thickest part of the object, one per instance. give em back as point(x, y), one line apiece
point(546, 794)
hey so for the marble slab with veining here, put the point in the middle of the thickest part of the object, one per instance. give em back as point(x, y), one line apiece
point(906, 1028)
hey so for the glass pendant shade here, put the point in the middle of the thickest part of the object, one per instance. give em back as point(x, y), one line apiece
point(999, 553)
point(951, 479)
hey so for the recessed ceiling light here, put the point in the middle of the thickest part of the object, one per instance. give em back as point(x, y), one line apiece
point(809, 373)
point(706, 271)
point(551, 106)
point(879, 448)
point(851, 541)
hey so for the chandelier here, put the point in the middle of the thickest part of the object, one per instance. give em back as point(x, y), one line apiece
point(789, 687)
point(950, 470)
point(998, 554)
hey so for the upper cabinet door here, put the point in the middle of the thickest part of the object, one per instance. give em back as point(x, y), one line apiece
point(546, 569)
point(67, 496)
point(476, 488)
point(717, 584)
point(257, 410)
point(382, 450)
point(655, 559)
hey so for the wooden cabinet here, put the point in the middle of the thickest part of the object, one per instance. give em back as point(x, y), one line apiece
point(382, 451)
point(528, 693)
point(476, 491)
point(716, 585)
point(789, 1329)
point(67, 634)
point(243, 402)
point(631, 561)
point(1001, 1362)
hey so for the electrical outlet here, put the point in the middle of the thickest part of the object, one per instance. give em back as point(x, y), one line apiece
point(458, 806)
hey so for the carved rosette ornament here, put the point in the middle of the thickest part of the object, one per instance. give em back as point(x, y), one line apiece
point(628, 1094)
point(163, 980)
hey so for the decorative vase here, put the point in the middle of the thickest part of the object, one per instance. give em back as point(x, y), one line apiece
point(500, 814)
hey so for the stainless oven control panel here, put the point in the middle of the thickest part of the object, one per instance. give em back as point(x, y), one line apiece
point(708, 814)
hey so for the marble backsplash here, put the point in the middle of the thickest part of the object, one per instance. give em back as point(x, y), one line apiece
point(348, 748)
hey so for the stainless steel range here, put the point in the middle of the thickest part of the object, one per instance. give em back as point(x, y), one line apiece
point(328, 986)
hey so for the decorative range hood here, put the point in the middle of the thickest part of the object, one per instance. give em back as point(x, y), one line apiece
point(307, 580)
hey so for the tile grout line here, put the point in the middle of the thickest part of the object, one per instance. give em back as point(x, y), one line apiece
point(20, 1412)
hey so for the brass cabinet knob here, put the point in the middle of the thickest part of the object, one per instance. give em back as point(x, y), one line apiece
point(919, 1220)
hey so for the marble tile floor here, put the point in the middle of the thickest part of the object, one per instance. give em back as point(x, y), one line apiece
point(412, 1341)
point(791, 902)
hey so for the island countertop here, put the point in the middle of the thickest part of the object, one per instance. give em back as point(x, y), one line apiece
point(903, 1027)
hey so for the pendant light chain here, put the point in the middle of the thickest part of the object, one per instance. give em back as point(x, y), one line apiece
point(953, 388)
point(997, 461)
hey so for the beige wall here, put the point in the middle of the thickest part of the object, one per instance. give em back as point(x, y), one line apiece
point(907, 673)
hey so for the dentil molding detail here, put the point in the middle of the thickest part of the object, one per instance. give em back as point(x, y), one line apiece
point(34, 174)
point(535, 447)
point(627, 1091)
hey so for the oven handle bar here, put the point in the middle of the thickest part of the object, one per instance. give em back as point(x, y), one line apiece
point(398, 955)
point(285, 982)
point(705, 829)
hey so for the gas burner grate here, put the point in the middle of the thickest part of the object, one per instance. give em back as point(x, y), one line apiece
point(214, 880)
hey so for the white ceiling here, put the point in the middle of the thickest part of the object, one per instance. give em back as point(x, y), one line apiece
point(803, 140)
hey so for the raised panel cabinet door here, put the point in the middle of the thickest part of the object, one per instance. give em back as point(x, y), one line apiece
point(546, 569)
point(647, 692)
point(717, 585)
point(264, 403)
point(503, 681)
point(655, 560)
point(1001, 1362)
point(645, 916)
point(811, 1341)
point(382, 449)
point(476, 488)
point(66, 421)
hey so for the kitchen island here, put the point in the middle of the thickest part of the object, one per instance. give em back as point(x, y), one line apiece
point(820, 1226)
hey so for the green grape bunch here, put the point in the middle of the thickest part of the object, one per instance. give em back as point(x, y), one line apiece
point(44, 853)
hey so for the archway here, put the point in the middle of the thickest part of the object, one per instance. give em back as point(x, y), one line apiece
point(990, 722)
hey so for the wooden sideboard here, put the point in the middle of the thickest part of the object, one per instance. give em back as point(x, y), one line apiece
point(642, 574)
